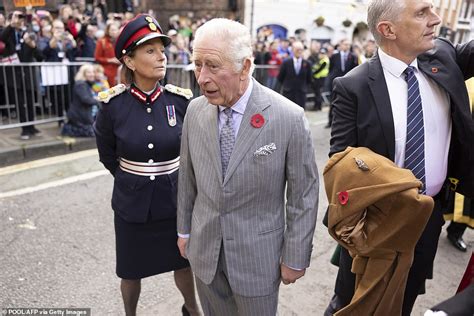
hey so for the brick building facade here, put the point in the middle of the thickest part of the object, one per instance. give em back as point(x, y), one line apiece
point(163, 9)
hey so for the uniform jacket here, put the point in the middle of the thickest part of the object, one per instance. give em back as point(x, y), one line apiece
point(372, 203)
point(122, 130)
point(245, 211)
point(363, 115)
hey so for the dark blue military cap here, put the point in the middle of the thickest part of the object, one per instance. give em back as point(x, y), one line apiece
point(136, 32)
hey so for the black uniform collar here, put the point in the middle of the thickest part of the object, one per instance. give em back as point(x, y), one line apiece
point(143, 97)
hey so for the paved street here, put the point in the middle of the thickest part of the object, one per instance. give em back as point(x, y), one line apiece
point(57, 244)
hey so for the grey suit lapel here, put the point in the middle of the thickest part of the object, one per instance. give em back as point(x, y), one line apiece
point(211, 128)
point(258, 102)
point(378, 87)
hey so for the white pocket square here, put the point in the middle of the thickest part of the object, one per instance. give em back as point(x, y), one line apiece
point(265, 150)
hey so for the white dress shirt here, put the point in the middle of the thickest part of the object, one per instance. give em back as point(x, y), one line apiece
point(297, 64)
point(436, 119)
point(343, 60)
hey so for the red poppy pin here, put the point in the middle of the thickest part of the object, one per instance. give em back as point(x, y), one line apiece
point(343, 197)
point(434, 70)
point(257, 120)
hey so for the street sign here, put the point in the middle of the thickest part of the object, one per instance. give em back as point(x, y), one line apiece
point(26, 3)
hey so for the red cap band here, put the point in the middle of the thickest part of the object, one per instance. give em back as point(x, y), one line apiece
point(139, 34)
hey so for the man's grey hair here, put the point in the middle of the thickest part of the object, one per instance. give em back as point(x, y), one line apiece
point(383, 10)
point(236, 37)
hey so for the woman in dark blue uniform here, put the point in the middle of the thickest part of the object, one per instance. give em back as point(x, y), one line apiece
point(138, 131)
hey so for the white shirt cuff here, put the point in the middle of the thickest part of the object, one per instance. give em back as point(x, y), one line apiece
point(183, 235)
point(297, 269)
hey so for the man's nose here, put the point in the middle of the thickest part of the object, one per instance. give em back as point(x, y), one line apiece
point(202, 76)
point(435, 20)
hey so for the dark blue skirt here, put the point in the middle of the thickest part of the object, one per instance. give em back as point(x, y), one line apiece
point(146, 249)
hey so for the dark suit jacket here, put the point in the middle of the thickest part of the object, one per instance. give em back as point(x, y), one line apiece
point(363, 115)
point(335, 66)
point(295, 86)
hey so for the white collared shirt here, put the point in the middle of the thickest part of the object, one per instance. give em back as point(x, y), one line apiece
point(238, 110)
point(343, 60)
point(297, 64)
point(436, 119)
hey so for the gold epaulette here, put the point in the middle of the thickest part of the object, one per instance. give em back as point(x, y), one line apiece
point(108, 94)
point(187, 93)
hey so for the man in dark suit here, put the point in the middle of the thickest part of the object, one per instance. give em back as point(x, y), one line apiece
point(340, 63)
point(295, 76)
point(372, 109)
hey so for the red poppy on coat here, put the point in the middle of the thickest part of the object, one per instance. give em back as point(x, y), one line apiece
point(257, 120)
point(343, 197)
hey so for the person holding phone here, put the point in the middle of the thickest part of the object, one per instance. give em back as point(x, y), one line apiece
point(20, 47)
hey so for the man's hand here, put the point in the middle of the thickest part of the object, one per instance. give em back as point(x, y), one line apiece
point(182, 246)
point(289, 275)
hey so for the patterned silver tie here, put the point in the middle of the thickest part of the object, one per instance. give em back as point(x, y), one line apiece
point(227, 140)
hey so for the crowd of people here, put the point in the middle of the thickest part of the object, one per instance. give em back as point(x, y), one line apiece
point(88, 33)
point(241, 235)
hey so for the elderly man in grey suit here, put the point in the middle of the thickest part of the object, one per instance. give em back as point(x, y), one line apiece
point(248, 182)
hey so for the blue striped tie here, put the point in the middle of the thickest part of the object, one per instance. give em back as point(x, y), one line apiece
point(415, 144)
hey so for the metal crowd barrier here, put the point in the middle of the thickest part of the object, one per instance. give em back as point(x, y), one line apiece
point(37, 93)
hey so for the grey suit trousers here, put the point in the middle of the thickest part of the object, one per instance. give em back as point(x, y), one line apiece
point(217, 298)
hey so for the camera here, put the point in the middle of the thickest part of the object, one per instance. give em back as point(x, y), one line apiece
point(21, 16)
point(32, 36)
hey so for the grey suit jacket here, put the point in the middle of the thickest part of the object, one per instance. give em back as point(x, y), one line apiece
point(245, 212)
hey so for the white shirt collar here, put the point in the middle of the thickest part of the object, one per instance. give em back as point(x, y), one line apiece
point(393, 65)
point(241, 104)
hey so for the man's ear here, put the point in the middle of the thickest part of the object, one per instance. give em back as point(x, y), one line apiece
point(129, 62)
point(387, 30)
point(247, 64)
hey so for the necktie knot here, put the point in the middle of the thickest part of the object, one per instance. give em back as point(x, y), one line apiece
point(228, 112)
point(409, 72)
